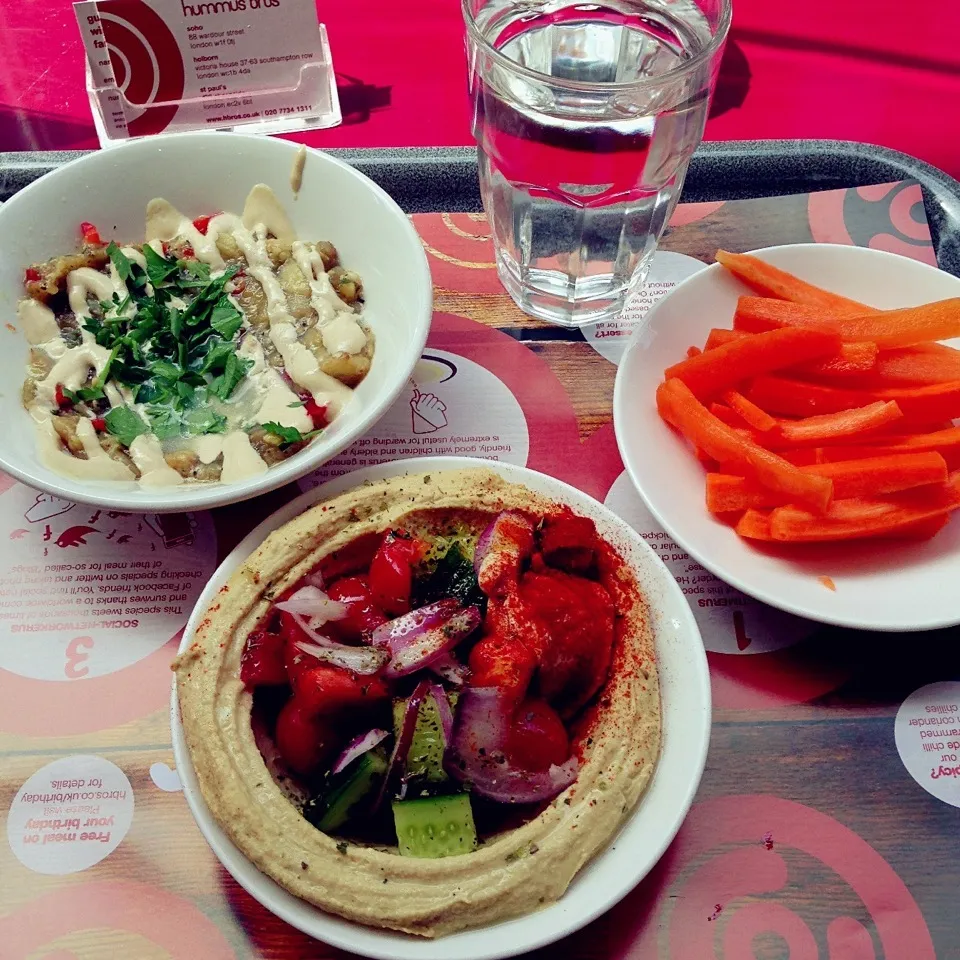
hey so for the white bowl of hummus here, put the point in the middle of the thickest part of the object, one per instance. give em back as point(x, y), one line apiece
point(441, 707)
point(199, 319)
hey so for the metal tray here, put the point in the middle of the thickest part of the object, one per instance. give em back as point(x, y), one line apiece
point(445, 178)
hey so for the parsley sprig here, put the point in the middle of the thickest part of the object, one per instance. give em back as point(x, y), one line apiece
point(174, 348)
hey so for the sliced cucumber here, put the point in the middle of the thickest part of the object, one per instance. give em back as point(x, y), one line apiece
point(435, 826)
point(345, 791)
point(425, 756)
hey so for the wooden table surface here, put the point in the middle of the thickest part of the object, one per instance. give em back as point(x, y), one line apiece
point(808, 838)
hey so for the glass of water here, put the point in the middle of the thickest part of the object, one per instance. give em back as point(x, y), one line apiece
point(586, 116)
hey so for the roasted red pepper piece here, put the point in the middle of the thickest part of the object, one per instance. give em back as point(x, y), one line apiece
point(262, 663)
point(303, 739)
point(90, 234)
point(99, 424)
point(569, 542)
point(363, 615)
point(201, 223)
point(391, 573)
point(61, 399)
point(315, 412)
point(326, 690)
point(537, 738)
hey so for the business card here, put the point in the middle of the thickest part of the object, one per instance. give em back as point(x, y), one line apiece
point(157, 66)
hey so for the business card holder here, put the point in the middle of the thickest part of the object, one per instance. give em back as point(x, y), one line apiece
point(312, 103)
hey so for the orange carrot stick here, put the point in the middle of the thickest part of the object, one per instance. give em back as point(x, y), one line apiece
point(718, 336)
point(678, 406)
point(854, 518)
point(869, 477)
point(916, 365)
point(837, 426)
point(693, 352)
point(770, 281)
point(752, 415)
point(755, 525)
point(757, 314)
point(798, 398)
point(902, 327)
point(726, 365)
point(852, 360)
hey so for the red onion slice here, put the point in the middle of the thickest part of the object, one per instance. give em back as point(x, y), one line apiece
point(401, 746)
point(502, 547)
point(444, 712)
point(358, 746)
point(402, 631)
point(432, 643)
point(446, 667)
point(313, 603)
point(477, 760)
point(363, 660)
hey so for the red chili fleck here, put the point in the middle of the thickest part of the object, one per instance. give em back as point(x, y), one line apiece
point(31, 275)
point(188, 253)
point(60, 397)
point(315, 412)
point(90, 234)
point(165, 247)
point(99, 424)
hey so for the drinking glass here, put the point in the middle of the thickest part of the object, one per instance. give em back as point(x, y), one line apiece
point(586, 116)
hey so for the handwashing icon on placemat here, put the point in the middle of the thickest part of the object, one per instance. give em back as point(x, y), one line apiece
point(427, 411)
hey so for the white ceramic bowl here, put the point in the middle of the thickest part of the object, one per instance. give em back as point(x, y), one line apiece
point(203, 173)
point(685, 697)
point(881, 585)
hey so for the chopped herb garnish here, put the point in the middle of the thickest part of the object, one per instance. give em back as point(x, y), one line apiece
point(297, 403)
point(288, 434)
point(198, 268)
point(234, 371)
point(159, 268)
point(125, 424)
point(173, 358)
point(226, 319)
point(121, 261)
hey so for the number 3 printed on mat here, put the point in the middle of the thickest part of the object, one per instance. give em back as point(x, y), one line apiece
point(76, 656)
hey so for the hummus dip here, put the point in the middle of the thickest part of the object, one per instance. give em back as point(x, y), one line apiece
point(615, 737)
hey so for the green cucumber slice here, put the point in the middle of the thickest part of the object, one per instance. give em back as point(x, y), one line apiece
point(335, 805)
point(433, 827)
point(425, 756)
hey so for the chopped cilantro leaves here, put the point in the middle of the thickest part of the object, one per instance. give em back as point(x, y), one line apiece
point(234, 371)
point(159, 268)
point(226, 319)
point(123, 264)
point(288, 434)
point(198, 268)
point(125, 424)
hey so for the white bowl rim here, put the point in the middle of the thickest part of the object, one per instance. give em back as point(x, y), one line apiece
point(548, 925)
point(185, 498)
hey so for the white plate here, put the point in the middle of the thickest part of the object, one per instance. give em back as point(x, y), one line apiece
point(880, 585)
point(685, 692)
point(202, 173)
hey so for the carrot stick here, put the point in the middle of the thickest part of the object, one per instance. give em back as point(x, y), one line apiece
point(854, 518)
point(730, 417)
point(678, 406)
point(693, 352)
point(902, 327)
point(755, 525)
point(798, 398)
point(852, 360)
point(851, 478)
point(770, 281)
point(836, 426)
point(757, 314)
point(919, 530)
point(916, 365)
point(752, 415)
point(728, 364)
point(719, 336)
